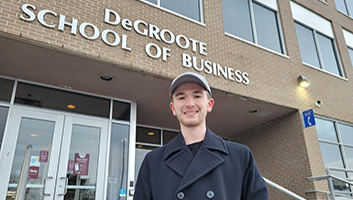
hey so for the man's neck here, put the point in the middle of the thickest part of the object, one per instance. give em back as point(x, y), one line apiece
point(193, 134)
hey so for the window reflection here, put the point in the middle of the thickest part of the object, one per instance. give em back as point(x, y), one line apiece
point(3, 118)
point(326, 130)
point(6, 89)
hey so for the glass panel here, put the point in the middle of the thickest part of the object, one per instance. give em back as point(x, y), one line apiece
point(121, 111)
point(267, 28)
point(328, 54)
point(152, 1)
point(43, 97)
point(168, 136)
point(307, 45)
point(118, 160)
point(331, 156)
point(39, 134)
point(236, 18)
point(351, 54)
point(341, 6)
point(3, 118)
point(140, 154)
point(346, 134)
point(148, 135)
point(189, 8)
point(82, 163)
point(6, 89)
point(326, 130)
point(349, 157)
point(350, 7)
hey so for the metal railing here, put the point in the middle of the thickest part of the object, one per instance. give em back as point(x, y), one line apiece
point(335, 194)
point(282, 189)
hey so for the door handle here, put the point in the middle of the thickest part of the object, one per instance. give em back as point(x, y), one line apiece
point(45, 184)
point(65, 189)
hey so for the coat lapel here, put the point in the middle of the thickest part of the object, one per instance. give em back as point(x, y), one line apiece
point(179, 158)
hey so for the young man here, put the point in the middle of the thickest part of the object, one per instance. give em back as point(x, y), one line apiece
point(198, 164)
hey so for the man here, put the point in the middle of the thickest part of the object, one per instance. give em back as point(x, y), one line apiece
point(197, 164)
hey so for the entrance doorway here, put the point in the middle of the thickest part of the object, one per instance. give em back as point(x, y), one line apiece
point(67, 160)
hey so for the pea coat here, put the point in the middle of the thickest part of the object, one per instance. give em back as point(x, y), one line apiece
point(220, 170)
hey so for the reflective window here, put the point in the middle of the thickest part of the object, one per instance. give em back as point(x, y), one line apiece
point(188, 8)
point(336, 144)
point(267, 28)
point(148, 135)
point(328, 54)
point(351, 54)
point(326, 130)
point(148, 139)
point(236, 14)
point(261, 28)
point(346, 134)
point(345, 6)
point(43, 97)
point(6, 89)
point(168, 136)
point(121, 111)
point(3, 118)
point(118, 161)
point(320, 54)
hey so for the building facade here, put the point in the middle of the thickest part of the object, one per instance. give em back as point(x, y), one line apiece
point(84, 90)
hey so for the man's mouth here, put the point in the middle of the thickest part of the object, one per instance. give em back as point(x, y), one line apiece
point(190, 112)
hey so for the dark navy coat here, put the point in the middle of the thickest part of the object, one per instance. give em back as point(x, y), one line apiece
point(220, 170)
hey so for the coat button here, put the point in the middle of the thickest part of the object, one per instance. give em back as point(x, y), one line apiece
point(181, 195)
point(210, 194)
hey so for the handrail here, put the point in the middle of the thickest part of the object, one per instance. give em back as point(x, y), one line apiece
point(282, 189)
point(22, 182)
point(329, 177)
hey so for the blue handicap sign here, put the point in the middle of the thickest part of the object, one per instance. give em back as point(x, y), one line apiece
point(122, 193)
point(308, 117)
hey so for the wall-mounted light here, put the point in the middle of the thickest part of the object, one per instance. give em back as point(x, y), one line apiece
point(303, 81)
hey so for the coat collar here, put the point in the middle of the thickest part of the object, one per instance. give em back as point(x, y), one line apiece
point(179, 158)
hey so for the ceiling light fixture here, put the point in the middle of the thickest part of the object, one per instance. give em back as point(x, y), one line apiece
point(253, 111)
point(71, 106)
point(303, 81)
point(106, 77)
point(150, 133)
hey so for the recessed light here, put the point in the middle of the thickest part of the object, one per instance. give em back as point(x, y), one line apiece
point(34, 135)
point(254, 110)
point(71, 106)
point(150, 133)
point(106, 77)
point(139, 146)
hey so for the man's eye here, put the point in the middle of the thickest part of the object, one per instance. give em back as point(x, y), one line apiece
point(181, 98)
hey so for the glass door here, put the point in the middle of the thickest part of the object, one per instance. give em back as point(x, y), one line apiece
point(67, 158)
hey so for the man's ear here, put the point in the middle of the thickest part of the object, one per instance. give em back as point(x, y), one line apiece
point(210, 105)
point(171, 105)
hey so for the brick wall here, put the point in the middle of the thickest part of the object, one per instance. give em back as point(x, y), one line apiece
point(283, 151)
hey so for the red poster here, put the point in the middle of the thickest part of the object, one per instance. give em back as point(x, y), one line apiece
point(43, 156)
point(33, 172)
point(71, 165)
point(81, 164)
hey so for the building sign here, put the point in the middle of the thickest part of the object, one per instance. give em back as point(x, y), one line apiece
point(309, 119)
point(113, 39)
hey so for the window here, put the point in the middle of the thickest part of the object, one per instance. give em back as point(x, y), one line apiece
point(316, 40)
point(147, 139)
point(3, 119)
point(348, 36)
point(189, 8)
point(345, 6)
point(6, 89)
point(336, 144)
point(254, 21)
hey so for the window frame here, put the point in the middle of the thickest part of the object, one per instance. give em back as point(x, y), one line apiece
point(254, 28)
point(339, 142)
point(319, 53)
point(158, 5)
point(346, 6)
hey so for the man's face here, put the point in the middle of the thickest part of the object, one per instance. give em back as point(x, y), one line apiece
point(190, 104)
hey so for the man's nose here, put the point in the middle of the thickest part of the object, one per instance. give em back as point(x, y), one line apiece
point(190, 102)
